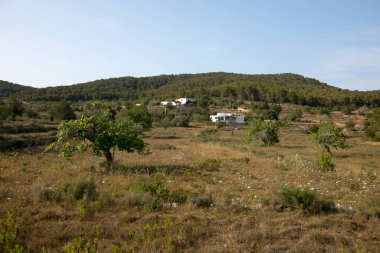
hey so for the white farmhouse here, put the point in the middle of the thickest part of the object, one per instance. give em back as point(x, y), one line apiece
point(185, 101)
point(227, 117)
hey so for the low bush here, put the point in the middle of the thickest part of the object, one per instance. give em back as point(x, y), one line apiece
point(203, 200)
point(155, 205)
point(138, 199)
point(350, 125)
point(156, 188)
point(306, 199)
point(296, 115)
point(178, 197)
point(84, 188)
point(87, 208)
point(80, 244)
point(46, 193)
point(324, 162)
point(312, 129)
point(347, 110)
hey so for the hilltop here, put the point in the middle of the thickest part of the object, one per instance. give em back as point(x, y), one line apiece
point(277, 88)
point(7, 88)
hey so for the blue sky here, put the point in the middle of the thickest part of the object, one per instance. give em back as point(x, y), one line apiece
point(48, 43)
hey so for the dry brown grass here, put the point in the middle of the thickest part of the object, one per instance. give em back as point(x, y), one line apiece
point(243, 184)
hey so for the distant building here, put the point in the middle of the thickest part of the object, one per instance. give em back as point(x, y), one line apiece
point(185, 101)
point(227, 117)
point(165, 103)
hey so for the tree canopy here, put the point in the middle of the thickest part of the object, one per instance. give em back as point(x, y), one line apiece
point(63, 111)
point(98, 131)
point(138, 114)
point(272, 88)
point(329, 135)
point(264, 132)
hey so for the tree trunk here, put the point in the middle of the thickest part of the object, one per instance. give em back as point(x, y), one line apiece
point(108, 155)
point(327, 148)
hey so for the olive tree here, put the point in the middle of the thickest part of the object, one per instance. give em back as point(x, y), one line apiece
point(265, 132)
point(326, 137)
point(329, 136)
point(98, 131)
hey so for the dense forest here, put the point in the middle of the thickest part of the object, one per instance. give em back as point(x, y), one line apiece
point(7, 89)
point(275, 88)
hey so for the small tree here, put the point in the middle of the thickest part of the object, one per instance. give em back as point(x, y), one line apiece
point(63, 111)
point(99, 131)
point(372, 129)
point(266, 111)
point(328, 136)
point(4, 112)
point(266, 133)
point(140, 115)
point(15, 108)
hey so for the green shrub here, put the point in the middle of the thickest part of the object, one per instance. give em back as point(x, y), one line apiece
point(156, 188)
point(15, 108)
point(82, 245)
point(84, 188)
point(324, 161)
point(294, 116)
point(46, 193)
point(266, 133)
point(138, 114)
point(155, 205)
point(9, 233)
point(178, 197)
point(312, 129)
point(306, 199)
point(266, 111)
point(347, 110)
point(63, 111)
point(203, 200)
point(329, 135)
point(325, 110)
point(372, 129)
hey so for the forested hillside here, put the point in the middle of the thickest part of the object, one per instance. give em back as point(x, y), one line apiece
point(290, 88)
point(7, 89)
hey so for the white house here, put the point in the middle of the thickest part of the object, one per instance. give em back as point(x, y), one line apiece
point(227, 117)
point(184, 101)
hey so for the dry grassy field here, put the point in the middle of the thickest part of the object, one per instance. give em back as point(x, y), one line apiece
point(197, 190)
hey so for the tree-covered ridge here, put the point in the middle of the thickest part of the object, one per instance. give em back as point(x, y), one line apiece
point(7, 89)
point(290, 88)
